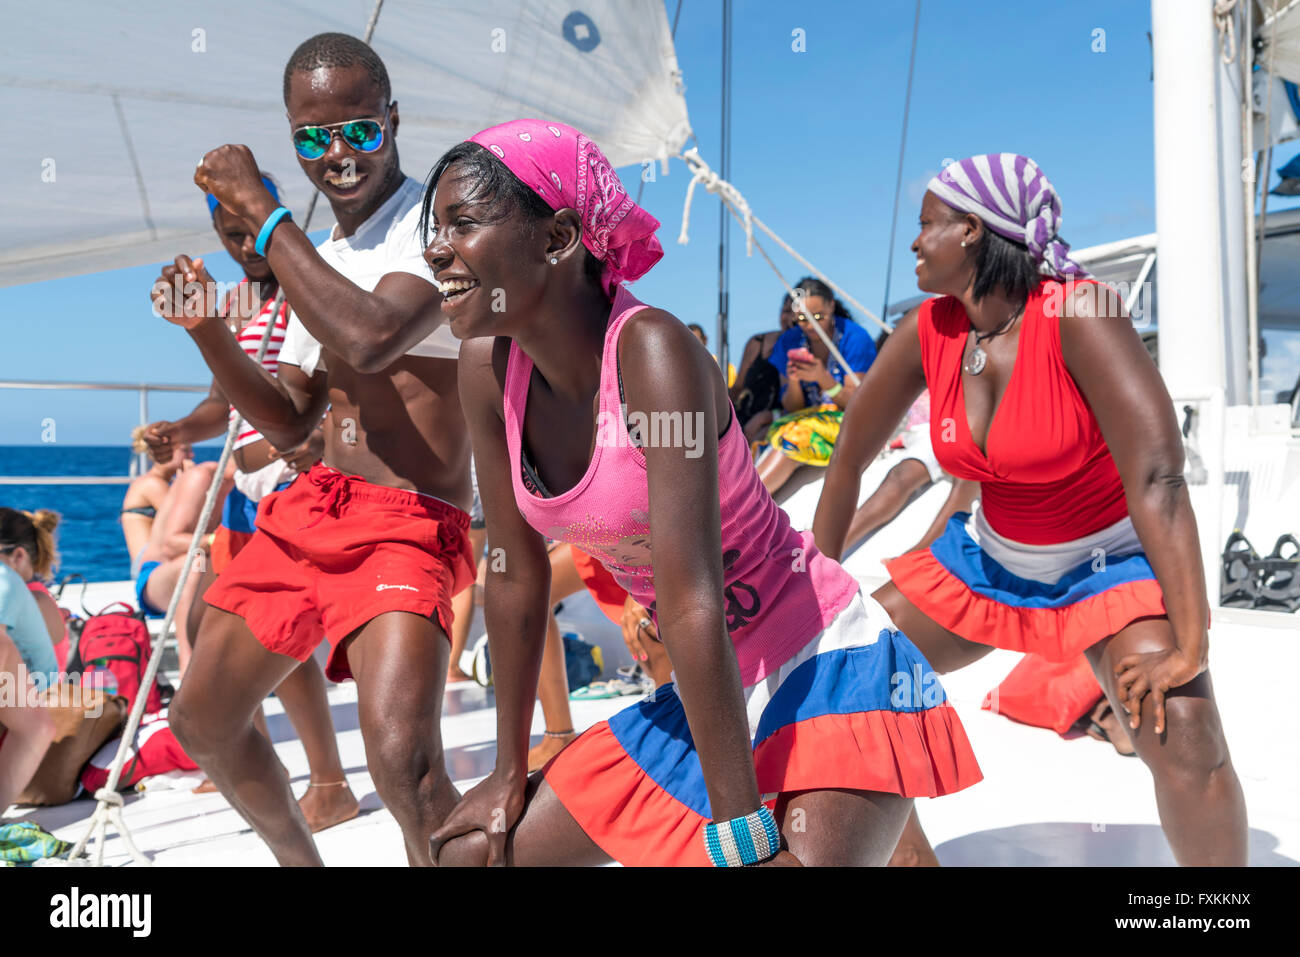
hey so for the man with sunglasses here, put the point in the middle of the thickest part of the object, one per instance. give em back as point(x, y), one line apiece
point(370, 545)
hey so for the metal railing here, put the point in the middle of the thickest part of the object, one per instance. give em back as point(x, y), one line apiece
point(141, 460)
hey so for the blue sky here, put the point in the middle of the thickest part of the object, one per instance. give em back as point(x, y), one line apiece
point(815, 139)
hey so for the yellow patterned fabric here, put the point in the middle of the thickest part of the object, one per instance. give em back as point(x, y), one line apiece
point(808, 436)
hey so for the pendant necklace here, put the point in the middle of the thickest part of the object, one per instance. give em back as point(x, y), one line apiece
point(978, 358)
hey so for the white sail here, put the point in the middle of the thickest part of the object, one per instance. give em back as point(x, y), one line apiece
point(111, 105)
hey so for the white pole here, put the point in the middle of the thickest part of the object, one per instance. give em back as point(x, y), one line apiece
point(1190, 297)
point(1231, 92)
point(1246, 61)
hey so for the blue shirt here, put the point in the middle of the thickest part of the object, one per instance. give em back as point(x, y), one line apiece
point(22, 619)
point(854, 343)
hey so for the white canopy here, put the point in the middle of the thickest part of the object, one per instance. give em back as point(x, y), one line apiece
point(109, 105)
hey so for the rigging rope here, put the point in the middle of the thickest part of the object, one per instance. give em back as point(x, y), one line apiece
point(796, 300)
point(902, 149)
point(735, 201)
point(108, 808)
point(1225, 20)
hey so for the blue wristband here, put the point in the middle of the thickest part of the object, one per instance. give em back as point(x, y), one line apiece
point(742, 841)
point(264, 235)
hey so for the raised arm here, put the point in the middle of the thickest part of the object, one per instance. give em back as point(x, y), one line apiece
point(285, 416)
point(666, 372)
point(876, 407)
point(367, 330)
point(515, 606)
point(1121, 384)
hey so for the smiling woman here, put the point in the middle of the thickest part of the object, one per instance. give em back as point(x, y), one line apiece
point(763, 729)
point(1043, 393)
point(489, 187)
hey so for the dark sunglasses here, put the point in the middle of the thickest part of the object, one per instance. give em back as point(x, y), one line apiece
point(801, 318)
point(312, 142)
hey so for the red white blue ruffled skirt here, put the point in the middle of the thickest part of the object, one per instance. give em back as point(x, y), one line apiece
point(1053, 601)
point(857, 708)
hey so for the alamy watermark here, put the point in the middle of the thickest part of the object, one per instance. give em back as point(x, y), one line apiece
point(26, 689)
point(658, 430)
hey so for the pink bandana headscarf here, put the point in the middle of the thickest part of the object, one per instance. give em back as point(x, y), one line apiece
point(566, 169)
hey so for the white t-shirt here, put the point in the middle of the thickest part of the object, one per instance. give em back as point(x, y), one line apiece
point(387, 242)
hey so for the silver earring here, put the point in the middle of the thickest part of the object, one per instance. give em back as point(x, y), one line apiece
point(556, 262)
point(963, 244)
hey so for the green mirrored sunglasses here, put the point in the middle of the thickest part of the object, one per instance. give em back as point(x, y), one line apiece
point(312, 142)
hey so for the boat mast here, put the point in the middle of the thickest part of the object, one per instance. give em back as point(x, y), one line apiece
point(724, 220)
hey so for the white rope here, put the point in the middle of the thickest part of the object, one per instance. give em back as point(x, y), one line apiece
point(739, 206)
point(1226, 22)
point(796, 300)
point(108, 808)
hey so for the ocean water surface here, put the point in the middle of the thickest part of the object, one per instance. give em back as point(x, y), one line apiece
point(90, 536)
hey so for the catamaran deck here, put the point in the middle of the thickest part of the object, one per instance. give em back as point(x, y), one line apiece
point(1044, 800)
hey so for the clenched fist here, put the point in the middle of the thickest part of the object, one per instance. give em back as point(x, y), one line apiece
point(230, 174)
point(185, 294)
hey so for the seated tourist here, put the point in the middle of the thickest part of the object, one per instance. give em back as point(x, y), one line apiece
point(144, 496)
point(756, 392)
point(27, 546)
point(815, 387)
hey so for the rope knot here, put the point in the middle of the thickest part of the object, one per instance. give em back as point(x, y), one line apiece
point(702, 174)
point(109, 797)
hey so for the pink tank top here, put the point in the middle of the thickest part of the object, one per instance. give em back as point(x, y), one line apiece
point(779, 590)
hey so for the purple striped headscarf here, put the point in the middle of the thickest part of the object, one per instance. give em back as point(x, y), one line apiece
point(1014, 199)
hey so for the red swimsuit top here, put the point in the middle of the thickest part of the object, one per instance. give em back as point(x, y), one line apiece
point(1048, 476)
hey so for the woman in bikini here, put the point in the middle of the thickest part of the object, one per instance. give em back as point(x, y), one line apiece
point(1084, 539)
point(145, 495)
point(778, 741)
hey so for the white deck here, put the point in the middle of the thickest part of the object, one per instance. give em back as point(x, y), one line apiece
point(1044, 800)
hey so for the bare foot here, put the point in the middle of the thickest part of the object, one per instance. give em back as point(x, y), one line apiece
point(327, 804)
point(455, 676)
point(1106, 726)
point(551, 745)
point(207, 787)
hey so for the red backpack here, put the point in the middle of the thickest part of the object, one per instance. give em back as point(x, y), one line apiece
point(120, 642)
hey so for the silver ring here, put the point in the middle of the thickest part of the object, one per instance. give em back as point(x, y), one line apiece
point(645, 623)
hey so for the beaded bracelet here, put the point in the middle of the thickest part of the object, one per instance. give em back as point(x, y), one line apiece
point(743, 841)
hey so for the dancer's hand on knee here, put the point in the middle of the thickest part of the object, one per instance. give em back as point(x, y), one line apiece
point(636, 626)
point(493, 806)
point(1153, 673)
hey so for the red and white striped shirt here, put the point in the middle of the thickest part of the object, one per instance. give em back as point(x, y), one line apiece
point(250, 337)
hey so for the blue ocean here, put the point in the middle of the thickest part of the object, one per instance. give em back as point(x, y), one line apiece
point(90, 538)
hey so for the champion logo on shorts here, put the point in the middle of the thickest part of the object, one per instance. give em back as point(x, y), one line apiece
point(403, 587)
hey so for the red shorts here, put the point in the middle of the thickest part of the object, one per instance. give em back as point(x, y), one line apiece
point(225, 546)
point(607, 592)
point(332, 552)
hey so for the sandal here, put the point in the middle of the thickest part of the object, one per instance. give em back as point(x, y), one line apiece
point(1278, 577)
point(614, 688)
point(1238, 581)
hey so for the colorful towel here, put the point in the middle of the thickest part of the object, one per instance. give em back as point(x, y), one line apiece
point(808, 436)
point(25, 842)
